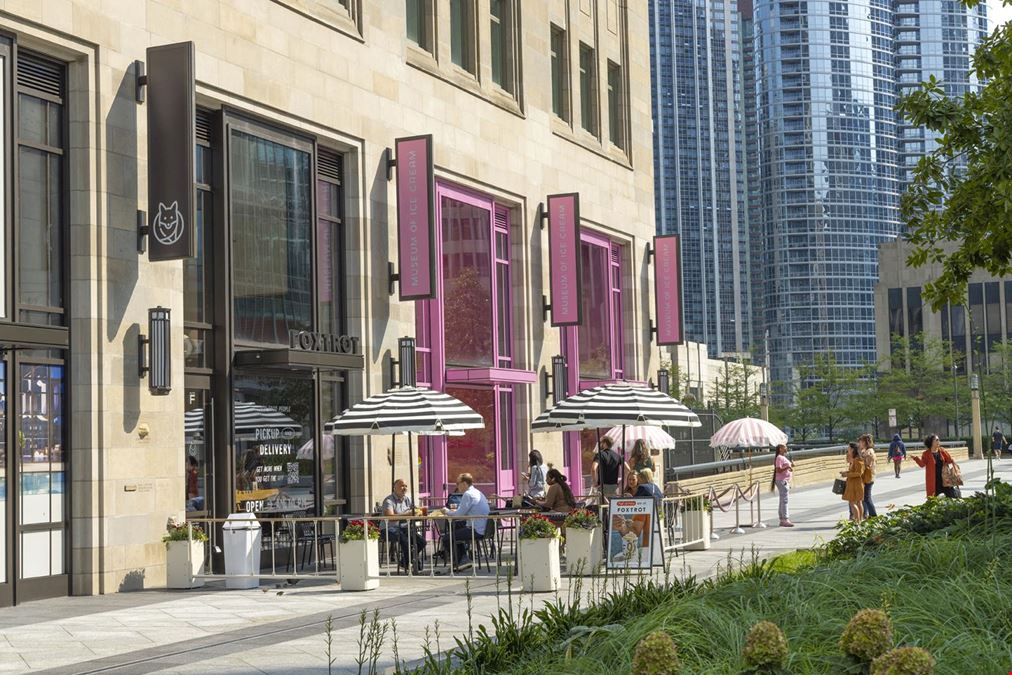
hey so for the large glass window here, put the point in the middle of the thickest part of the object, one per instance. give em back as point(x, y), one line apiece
point(467, 283)
point(475, 451)
point(616, 120)
point(417, 12)
point(896, 313)
point(271, 191)
point(329, 239)
point(560, 73)
point(198, 441)
point(3, 470)
point(588, 89)
point(462, 34)
point(992, 303)
point(41, 227)
point(197, 284)
point(500, 18)
point(915, 316)
point(976, 295)
point(43, 475)
point(272, 432)
point(595, 330)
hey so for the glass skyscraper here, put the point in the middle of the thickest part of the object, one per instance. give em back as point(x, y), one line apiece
point(832, 155)
point(696, 62)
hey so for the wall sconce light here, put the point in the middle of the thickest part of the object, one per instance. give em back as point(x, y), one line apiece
point(406, 365)
point(664, 381)
point(559, 377)
point(154, 353)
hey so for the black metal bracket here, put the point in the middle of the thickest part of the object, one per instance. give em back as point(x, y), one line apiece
point(545, 307)
point(392, 277)
point(141, 81)
point(542, 216)
point(142, 231)
point(393, 372)
point(653, 328)
point(391, 162)
point(545, 379)
point(142, 356)
point(650, 251)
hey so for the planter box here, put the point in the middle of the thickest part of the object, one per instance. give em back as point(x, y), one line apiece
point(584, 550)
point(358, 565)
point(183, 562)
point(539, 565)
point(695, 526)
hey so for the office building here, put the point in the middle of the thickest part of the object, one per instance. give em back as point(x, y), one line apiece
point(283, 312)
point(696, 61)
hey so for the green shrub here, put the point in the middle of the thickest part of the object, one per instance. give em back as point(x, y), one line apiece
point(765, 646)
point(185, 532)
point(868, 635)
point(655, 655)
point(904, 661)
point(538, 527)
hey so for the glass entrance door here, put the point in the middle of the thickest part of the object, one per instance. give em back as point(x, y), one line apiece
point(198, 440)
point(40, 535)
point(6, 593)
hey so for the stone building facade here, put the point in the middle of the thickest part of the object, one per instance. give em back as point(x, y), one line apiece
point(297, 103)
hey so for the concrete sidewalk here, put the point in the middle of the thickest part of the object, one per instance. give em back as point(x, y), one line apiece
point(274, 630)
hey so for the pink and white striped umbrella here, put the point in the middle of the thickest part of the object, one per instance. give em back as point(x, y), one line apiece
point(655, 438)
point(748, 432)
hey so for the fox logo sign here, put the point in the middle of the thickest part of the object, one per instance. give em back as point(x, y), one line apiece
point(168, 224)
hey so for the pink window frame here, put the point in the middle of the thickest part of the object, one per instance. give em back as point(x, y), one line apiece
point(570, 336)
point(430, 338)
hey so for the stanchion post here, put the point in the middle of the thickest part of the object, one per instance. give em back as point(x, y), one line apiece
point(737, 511)
point(758, 507)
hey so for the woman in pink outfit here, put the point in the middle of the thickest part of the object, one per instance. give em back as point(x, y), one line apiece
point(782, 479)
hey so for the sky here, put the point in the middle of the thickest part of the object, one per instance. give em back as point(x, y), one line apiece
point(999, 13)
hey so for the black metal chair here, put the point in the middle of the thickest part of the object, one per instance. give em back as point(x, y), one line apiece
point(313, 543)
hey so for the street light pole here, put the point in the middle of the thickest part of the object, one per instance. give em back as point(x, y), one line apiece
point(978, 448)
point(764, 402)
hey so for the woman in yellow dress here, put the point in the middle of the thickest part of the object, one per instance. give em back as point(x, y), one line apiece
point(854, 493)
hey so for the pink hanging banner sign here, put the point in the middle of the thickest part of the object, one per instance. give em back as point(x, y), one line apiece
point(416, 209)
point(564, 258)
point(668, 289)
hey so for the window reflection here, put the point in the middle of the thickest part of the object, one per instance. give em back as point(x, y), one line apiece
point(271, 193)
point(595, 330)
point(197, 438)
point(475, 451)
point(467, 284)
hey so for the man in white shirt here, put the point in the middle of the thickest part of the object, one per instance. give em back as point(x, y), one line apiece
point(472, 503)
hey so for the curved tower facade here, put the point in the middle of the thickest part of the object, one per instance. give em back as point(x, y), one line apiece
point(829, 173)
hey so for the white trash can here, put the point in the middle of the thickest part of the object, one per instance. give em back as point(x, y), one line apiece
point(242, 551)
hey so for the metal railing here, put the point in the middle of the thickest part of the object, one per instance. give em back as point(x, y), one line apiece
point(746, 461)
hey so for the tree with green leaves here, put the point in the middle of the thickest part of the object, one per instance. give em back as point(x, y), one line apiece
point(917, 382)
point(735, 391)
point(958, 209)
point(826, 388)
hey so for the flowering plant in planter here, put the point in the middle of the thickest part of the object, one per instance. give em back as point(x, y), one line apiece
point(357, 530)
point(584, 519)
point(538, 527)
point(184, 532)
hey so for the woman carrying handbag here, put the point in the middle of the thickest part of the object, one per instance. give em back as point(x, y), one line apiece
point(933, 460)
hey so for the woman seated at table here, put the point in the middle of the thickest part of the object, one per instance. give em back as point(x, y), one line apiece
point(647, 487)
point(560, 496)
point(632, 484)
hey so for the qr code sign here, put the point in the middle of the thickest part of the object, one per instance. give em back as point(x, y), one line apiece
point(293, 473)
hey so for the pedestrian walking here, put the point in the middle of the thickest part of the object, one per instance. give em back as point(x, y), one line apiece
point(782, 474)
point(998, 442)
point(853, 494)
point(867, 446)
point(932, 460)
point(897, 453)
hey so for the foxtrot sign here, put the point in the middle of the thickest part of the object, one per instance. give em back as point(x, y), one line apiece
point(634, 540)
point(172, 142)
point(564, 258)
point(415, 218)
point(668, 289)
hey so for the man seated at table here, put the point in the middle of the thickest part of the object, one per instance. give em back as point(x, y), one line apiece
point(399, 504)
point(472, 503)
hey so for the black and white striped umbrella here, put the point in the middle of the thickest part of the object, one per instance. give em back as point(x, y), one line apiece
point(620, 403)
point(406, 409)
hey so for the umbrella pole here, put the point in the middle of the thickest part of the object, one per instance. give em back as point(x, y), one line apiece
point(411, 471)
point(393, 461)
point(622, 467)
point(600, 469)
